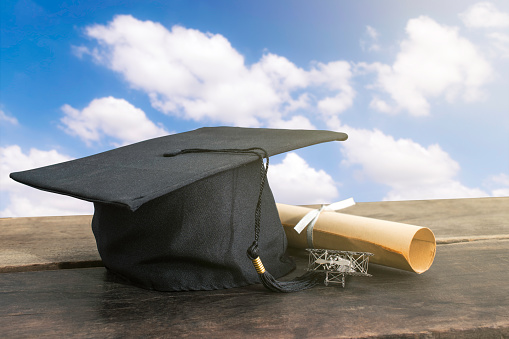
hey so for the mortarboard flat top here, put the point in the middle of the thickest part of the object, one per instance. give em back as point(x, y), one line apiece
point(135, 174)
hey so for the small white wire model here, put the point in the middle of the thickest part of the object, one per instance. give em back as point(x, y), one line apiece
point(338, 264)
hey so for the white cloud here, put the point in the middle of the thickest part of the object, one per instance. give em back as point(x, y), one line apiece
point(434, 61)
point(334, 76)
point(283, 74)
point(296, 122)
point(500, 42)
point(25, 201)
point(293, 181)
point(371, 42)
point(501, 192)
point(411, 170)
point(372, 32)
point(200, 76)
point(110, 117)
point(8, 118)
point(484, 15)
point(381, 106)
point(498, 185)
point(80, 51)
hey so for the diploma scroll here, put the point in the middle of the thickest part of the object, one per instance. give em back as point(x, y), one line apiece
point(393, 244)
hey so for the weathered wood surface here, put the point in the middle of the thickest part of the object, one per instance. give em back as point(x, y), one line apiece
point(447, 218)
point(464, 294)
point(28, 244)
point(53, 242)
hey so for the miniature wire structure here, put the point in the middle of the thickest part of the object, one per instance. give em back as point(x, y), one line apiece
point(338, 264)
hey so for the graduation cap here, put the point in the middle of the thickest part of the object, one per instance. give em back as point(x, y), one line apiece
point(178, 212)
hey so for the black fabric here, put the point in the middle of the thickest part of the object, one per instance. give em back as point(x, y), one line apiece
point(182, 222)
point(196, 237)
point(135, 174)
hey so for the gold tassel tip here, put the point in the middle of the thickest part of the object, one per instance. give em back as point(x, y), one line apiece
point(257, 263)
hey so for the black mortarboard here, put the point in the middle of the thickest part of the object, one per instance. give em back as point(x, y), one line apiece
point(169, 219)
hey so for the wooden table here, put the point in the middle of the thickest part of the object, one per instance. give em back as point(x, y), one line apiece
point(52, 285)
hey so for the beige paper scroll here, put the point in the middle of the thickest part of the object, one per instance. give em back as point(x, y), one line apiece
point(393, 244)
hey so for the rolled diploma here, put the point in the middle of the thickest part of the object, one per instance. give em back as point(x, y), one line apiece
point(393, 244)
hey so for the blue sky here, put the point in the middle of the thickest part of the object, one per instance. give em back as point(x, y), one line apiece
point(420, 87)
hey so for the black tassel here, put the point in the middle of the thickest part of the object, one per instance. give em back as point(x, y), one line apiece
point(305, 281)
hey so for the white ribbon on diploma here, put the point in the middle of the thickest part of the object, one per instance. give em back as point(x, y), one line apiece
point(309, 220)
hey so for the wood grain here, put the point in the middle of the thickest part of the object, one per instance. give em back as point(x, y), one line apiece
point(465, 293)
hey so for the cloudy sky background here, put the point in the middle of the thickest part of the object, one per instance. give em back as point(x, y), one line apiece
point(421, 88)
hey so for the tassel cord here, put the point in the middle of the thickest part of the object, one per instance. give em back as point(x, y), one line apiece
point(305, 281)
